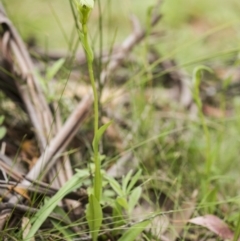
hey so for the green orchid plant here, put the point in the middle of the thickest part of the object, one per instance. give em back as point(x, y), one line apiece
point(94, 210)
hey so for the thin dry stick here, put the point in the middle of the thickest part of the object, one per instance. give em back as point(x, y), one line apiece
point(14, 45)
point(58, 144)
point(30, 91)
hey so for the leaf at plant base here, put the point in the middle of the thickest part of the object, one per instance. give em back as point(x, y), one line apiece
point(71, 185)
point(132, 232)
point(134, 180)
point(52, 71)
point(134, 198)
point(94, 216)
point(99, 134)
point(1, 119)
point(122, 202)
point(3, 132)
point(126, 180)
point(214, 224)
point(115, 185)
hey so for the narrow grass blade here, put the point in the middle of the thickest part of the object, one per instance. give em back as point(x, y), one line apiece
point(132, 233)
point(45, 211)
point(115, 185)
point(67, 234)
point(237, 231)
point(51, 72)
point(134, 180)
point(126, 180)
point(134, 198)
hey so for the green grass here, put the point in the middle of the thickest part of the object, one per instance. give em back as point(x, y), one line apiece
point(182, 24)
point(173, 149)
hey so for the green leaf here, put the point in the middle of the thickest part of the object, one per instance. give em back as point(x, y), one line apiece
point(134, 180)
point(94, 216)
point(122, 202)
point(99, 134)
point(71, 185)
point(210, 197)
point(3, 132)
point(42, 82)
point(132, 233)
point(52, 71)
point(126, 181)
point(83, 172)
point(1, 119)
point(115, 185)
point(134, 198)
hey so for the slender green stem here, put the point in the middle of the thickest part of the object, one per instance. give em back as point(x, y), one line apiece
point(206, 133)
point(91, 75)
point(208, 153)
point(100, 23)
point(94, 210)
point(237, 230)
point(97, 177)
